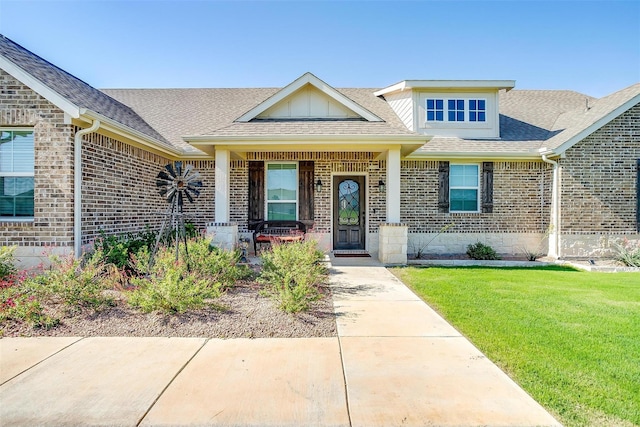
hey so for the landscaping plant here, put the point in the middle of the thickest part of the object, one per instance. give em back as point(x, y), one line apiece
point(481, 251)
point(628, 254)
point(7, 261)
point(291, 273)
point(79, 283)
point(178, 286)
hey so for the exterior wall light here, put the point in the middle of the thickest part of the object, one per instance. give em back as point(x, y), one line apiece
point(319, 186)
point(381, 187)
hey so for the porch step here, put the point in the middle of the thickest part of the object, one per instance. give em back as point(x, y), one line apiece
point(342, 253)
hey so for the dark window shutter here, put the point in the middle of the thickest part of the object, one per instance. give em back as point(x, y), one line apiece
point(305, 189)
point(638, 195)
point(443, 187)
point(256, 193)
point(487, 187)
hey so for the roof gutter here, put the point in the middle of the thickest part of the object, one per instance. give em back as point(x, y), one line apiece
point(554, 227)
point(141, 138)
point(77, 186)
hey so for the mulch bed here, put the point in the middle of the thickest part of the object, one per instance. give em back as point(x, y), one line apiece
point(240, 313)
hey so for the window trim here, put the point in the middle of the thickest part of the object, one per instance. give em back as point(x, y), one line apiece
point(20, 174)
point(478, 188)
point(266, 187)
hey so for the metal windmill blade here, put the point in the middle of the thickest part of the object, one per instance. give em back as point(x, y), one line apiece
point(175, 183)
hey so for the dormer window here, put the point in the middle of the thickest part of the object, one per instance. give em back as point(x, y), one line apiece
point(477, 110)
point(456, 110)
point(435, 110)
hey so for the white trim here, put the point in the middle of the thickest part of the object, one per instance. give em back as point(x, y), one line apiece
point(597, 125)
point(39, 87)
point(478, 188)
point(266, 186)
point(30, 174)
point(447, 84)
point(308, 78)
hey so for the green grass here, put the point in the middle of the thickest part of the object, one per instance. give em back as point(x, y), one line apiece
point(571, 339)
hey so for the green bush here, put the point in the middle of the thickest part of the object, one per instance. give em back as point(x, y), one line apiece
point(220, 266)
point(22, 297)
point(79, 283)
point(173, 287)
point(117, 249)
point(291, 273)
point(7, 262)
point(481, 251)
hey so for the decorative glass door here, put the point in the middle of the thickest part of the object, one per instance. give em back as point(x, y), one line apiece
point(348, 212)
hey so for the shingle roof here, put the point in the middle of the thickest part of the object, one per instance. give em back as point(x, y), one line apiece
point(75, 90)
point(529, 119)
point(189, 112)
point(572, 123)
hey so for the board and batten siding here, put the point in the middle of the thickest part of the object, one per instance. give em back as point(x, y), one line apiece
point(308, 102)
point(402, 105)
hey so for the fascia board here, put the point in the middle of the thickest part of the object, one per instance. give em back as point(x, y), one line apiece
point(475, 155)
point(448, 84)
point(398, 87)
point(597, 125)
point(40, 88)
point(308, 78)
point(208, 139)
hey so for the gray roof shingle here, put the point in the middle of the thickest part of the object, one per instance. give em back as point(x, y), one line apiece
point(75, 90)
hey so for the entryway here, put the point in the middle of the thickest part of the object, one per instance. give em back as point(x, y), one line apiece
point(349, 212)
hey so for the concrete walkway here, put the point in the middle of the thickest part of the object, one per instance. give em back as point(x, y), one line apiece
point(395, 362)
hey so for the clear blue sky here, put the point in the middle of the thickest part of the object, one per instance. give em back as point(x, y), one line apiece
point(588, 46)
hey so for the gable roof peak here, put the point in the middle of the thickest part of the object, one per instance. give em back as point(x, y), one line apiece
point(309, 78)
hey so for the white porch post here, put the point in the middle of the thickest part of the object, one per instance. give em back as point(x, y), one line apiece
point(222, 186)
point(393, 185)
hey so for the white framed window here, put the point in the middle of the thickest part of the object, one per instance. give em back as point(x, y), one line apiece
point(16, 174)
point(435, 110)
point(477, 110)
point(464, 188)
point(282, 191)
point(456, 110)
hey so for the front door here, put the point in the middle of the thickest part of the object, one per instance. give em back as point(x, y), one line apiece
point(348, 212)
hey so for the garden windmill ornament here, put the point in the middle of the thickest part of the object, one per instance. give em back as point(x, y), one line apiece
point(174, 183)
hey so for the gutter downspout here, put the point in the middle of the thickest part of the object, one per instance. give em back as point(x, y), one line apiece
point(555, 210)
point(77, 186)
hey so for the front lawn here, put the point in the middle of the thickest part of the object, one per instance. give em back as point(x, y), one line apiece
point(571, 339)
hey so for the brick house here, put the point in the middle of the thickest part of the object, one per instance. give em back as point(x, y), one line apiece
point(379, 170)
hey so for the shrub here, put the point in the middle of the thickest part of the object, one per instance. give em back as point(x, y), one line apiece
point(172, 287)
point(291, 273)
point(220, 266)
point(117, 249)
point(7, 266)
point(628, 254)
point(481, 251)
point(79, 283)
point(21, 299)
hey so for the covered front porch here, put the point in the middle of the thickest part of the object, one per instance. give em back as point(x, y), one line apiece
point(348, 200)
